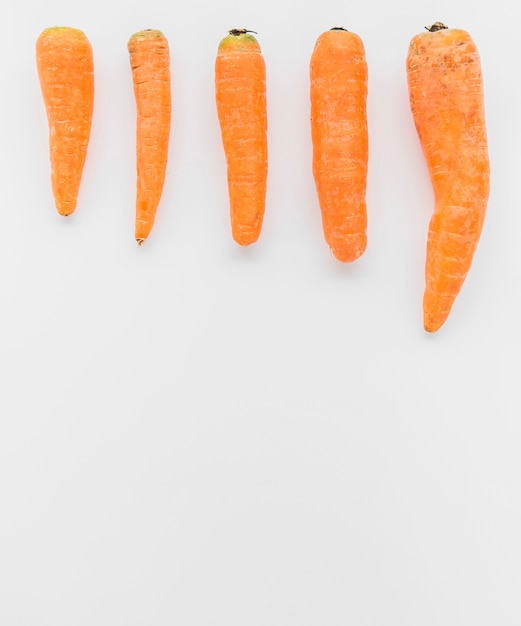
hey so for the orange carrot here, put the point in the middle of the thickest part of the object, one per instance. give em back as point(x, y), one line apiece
point(446, 96)
point(150, 64)
point(240, 86)
point(338, 77)
point(66, 72)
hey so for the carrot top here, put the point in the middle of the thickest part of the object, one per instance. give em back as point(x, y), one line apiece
point(147, 33)
point(68, 29)
point(435, 27)
point(238, 39)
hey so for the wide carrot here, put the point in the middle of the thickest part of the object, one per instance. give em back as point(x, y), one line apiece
point(150, 64)
point(66, 73)
point(338, 80)
point(240, 87)
point(446, 96)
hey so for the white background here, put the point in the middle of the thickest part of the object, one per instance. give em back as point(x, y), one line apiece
point(197, 434)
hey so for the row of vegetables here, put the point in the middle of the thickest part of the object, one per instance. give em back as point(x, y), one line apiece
point(447, 104)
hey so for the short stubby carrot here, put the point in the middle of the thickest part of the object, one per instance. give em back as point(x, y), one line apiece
point(150, 65)
point(66, 72)
point(240, 87)
point(338, 81)
point(447, 103)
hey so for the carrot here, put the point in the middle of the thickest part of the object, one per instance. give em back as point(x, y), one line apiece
point(66, 73)
point(150, 64)
point(447, 103)
point(338, 78)
point(240, 87)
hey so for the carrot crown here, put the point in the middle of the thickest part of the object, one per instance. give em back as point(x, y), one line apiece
point(436, 26)
point(66, 29)
point(238, 38)
point(148, 33)
point(240, 31)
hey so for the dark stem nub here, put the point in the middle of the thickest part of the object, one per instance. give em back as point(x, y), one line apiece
point(240, 31)
point(435, 27)
point(338, 28)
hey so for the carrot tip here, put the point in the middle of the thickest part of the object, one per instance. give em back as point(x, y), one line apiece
point(349, 251)
point(432, 327)
point(346, 257)
point(140, 241)
point(65, 211)
point(432, 324)
point(245, 241)
point(245, 237)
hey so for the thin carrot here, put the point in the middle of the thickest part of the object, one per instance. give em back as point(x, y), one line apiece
point(66, 73)
point(338, 81)
point(447, 103)
point(240, 86)
point(150, 64)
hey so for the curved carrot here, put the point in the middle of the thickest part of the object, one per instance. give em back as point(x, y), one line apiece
point(338, 77)
point(446, 96)
point(240, 86)
point(150, 64)
point(66, 72)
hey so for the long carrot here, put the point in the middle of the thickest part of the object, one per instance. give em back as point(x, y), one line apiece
point(66, 73)
point(150, 64)
point(338, 77)
point(446, 96)
point(240, 86)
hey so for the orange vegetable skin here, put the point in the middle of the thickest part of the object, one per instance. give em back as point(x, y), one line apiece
point(447, 103)
point(66, 73)
point(240, 87)
point(150, 64)
point(338, 81)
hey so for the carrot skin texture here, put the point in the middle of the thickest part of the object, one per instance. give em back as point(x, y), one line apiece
point(338, 93)
point(447, 103)
point(66, 73)
point(240, 89)
point(150, 65)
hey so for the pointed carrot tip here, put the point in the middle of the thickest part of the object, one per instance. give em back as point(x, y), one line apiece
point(140, 241)
point(431, 325)
point(65, 208)
point(434, 314)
